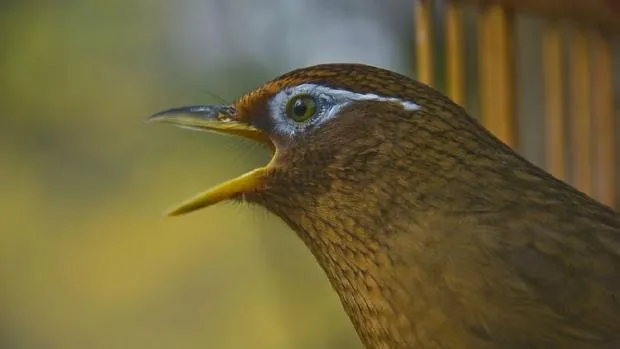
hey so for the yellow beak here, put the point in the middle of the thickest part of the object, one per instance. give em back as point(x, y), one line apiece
point(220, 119)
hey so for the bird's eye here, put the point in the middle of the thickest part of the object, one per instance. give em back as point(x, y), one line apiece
point(301, 108)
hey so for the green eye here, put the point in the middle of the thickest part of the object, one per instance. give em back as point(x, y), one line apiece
point(301, 108)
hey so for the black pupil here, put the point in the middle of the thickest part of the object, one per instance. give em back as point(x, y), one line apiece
point(300, 107)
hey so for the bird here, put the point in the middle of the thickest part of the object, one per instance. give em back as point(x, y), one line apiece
point(432, 231)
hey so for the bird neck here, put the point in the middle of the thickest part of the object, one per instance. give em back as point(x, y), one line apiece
point(366, 274)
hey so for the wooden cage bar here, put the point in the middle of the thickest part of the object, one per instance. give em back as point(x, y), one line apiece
point(581, 118)
point(455, 65)
point(555, 140)
point(424, 37)
point(603, 119)
point(496, 72)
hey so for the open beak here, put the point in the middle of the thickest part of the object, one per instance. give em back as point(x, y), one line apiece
point(220, 119)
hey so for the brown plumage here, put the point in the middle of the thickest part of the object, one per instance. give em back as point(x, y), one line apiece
point(433, 232)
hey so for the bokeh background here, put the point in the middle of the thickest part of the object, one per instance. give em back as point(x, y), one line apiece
point(86, 258)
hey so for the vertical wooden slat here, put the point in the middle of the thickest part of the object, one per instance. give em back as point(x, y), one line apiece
point(455, 54)
point(603, 119)
point(554, 103)
point(580, 108)
point(496, 72)
point(423, 35)
point(471, 60)
point(529, 88)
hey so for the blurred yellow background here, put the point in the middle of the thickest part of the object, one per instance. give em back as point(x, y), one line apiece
point(86, 258)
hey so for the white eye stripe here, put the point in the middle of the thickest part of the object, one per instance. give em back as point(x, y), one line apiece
point(336, 99)
point(353, 96)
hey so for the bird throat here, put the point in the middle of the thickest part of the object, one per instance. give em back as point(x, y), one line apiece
point(378, 282)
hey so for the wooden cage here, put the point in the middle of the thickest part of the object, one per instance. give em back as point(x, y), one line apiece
point(542, 75)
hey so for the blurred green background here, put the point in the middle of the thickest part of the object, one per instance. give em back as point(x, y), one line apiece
point(86, 258)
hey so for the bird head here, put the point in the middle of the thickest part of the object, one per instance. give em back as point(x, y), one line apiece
point(337, 132)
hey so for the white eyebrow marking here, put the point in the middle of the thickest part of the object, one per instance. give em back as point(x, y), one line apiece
point(335, 99)
point(354, 96)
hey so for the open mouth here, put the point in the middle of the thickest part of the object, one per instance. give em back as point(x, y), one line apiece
point(220, 119)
